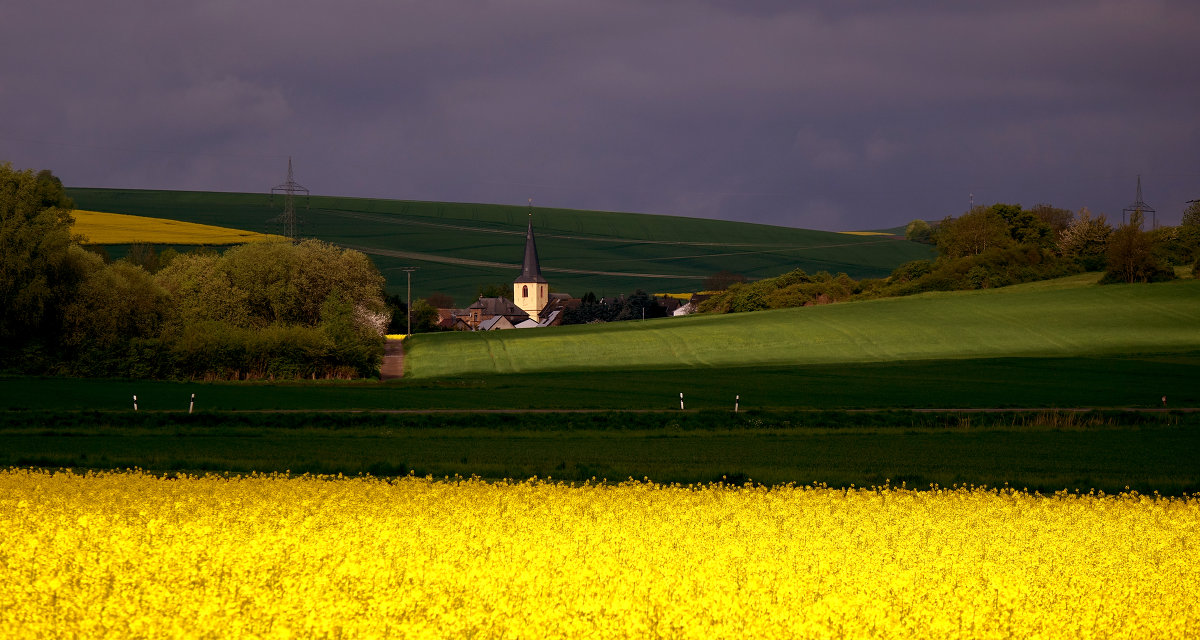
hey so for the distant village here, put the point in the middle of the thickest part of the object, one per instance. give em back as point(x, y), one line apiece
point(533, 305)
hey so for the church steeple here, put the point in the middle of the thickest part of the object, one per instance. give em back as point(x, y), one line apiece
point(530, 290)
point(531, 269)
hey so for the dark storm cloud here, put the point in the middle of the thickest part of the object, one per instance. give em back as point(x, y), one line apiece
point(857, 115)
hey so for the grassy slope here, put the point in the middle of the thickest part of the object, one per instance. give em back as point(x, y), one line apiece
point(678, 252)
point(1063, 318)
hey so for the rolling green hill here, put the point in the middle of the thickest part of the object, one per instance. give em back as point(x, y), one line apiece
point(1069, 317)
point(458, 247)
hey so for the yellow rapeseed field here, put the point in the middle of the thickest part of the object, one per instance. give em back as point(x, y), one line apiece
point(131, 555)
point(99, 227)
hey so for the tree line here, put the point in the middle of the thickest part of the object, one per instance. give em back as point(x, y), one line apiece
point(637, 306)
point(267, 310)
point(993, 246)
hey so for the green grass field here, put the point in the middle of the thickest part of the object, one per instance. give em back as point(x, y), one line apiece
point(458, 247)
point(1057, 344)
point(801, 376)
point(1065, 318)
point(1062, 343)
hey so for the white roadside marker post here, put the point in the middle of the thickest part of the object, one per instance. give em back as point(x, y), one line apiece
point(135, 403)
point(736, 401)
point(681, 401)
point(192, 404)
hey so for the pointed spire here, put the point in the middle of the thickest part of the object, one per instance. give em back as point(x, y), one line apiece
point(531, 269)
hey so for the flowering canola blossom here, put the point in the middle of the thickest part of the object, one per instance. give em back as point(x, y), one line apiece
point(99, 227)
point(132, 555)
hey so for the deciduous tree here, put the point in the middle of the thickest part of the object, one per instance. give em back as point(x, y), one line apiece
point(424, 316)
point(919, 231)
point(1191, 215)
point(202, 290)
point(1131, 255)
point(1086, 240)
point(35, 231)
point(972, 233)
point(1056, 218)
point(113, 304)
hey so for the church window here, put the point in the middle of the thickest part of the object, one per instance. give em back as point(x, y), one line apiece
point(525, 291)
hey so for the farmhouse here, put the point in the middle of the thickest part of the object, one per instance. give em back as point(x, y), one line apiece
point(691, 305)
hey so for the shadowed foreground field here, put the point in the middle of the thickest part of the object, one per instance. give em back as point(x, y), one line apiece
point(1117, 381)
point(1043, 451)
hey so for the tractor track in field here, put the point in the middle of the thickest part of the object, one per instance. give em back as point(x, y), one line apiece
point(429, 257)
point(402, 220)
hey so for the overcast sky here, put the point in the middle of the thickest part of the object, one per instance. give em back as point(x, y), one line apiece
point(859, 115)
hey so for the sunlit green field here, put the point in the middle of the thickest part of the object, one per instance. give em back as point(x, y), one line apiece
point(1070, 317)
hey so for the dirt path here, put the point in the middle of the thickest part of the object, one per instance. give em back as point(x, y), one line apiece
point(393, 360)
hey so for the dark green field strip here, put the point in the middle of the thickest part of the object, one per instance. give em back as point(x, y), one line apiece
point(1146, 459)
point(569, 240)
point(373, 423)
point(1125, 381)
point(559, 224)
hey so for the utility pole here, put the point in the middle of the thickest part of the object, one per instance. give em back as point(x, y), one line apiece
point(408, 305)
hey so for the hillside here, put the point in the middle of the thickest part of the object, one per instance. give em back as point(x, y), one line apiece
point(103, 228)
point(458, 247)
point(1069, 317)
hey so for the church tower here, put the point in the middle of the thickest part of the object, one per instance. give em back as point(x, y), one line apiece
point(530, 291)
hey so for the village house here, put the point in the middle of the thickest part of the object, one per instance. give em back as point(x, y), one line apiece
point(494, 313)
point(691, 305)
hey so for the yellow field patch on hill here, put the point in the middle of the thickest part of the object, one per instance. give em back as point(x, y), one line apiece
point(99, 227)
point(865, 233)
point(686, 296)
